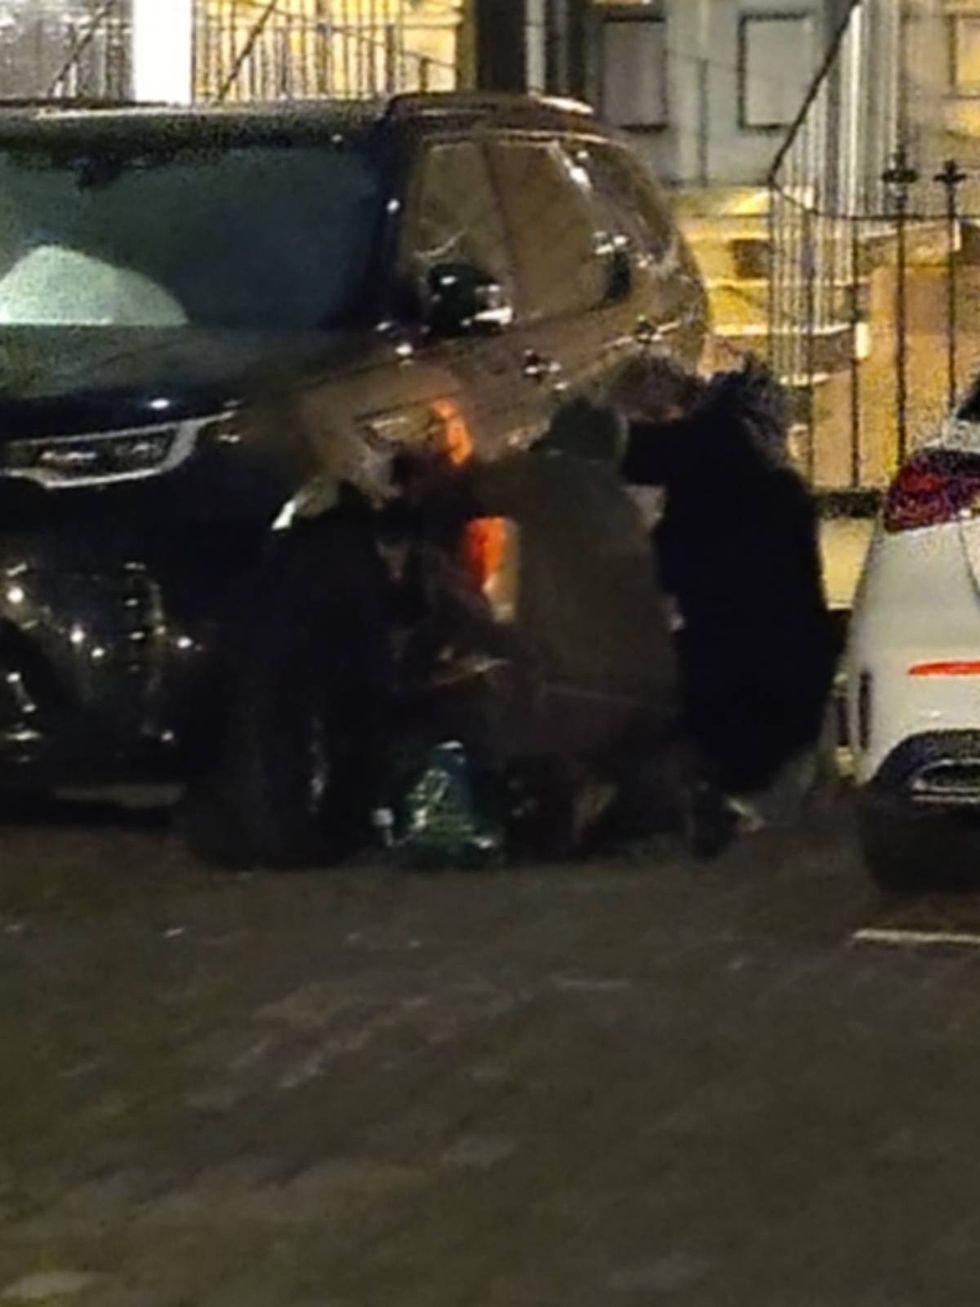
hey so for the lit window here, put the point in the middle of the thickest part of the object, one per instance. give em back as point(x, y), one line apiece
point(965, 54)
point(776, 61)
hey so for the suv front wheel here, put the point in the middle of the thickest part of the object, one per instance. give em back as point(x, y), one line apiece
point(296, 769)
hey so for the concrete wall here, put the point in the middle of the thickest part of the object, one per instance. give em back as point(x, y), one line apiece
point(704, 141)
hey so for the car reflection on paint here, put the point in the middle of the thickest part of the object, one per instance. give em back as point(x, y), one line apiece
point(913, 664)
point(209, 322)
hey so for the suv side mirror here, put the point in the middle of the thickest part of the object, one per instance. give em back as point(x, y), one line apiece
point(462, 301)
point(620, 284)
point(617, 255)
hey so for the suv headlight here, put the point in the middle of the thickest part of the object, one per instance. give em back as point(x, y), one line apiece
point(103, 458)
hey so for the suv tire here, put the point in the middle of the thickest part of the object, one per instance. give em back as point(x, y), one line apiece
point(300, 754)
point(909, 852)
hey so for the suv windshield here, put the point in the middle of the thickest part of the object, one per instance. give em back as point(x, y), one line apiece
point(257, 237)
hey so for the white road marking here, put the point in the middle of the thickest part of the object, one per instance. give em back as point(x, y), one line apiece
point(46, 1285)
point(915, 938)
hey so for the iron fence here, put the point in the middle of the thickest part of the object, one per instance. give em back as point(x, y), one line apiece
point(69, 50)
point(872, 247)
point(351, 49)
point(244, 50)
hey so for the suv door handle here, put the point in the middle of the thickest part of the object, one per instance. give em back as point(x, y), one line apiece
point(648, 334)
point(539, 368)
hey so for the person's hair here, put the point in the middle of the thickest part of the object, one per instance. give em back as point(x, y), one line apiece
point(586, 429)
point(654, 388)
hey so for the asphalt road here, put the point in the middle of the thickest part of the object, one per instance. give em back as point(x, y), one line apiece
point(631, 1083)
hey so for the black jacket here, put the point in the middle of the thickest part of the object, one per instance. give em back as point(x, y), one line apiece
point(738, 542)
point(738, 549)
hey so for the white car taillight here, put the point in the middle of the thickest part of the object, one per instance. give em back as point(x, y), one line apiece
point(935, 486)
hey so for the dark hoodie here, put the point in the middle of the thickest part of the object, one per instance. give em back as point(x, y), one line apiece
point(590, 617)
point(588, 601)
point(738, 549)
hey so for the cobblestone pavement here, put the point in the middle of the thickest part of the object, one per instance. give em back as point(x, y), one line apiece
point(632, 1083)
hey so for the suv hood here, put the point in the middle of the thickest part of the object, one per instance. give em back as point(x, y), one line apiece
point(65, 381)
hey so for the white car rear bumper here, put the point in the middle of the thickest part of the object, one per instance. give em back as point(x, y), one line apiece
point(913, 668)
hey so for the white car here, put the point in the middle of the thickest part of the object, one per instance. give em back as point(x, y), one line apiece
point(913, 662)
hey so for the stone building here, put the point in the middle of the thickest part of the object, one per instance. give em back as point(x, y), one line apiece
point(708, 88)
point(711, 88)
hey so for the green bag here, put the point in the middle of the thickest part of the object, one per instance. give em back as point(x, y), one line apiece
point(437, 821)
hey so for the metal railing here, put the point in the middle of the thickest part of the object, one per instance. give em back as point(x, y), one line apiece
point(71, 51)
point(98, 62)
point(867, 216)
point(244, 50)
point(350, 50)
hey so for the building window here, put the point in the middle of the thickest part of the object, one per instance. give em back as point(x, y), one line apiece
point(776, 57)
point(964, 55)
point(634, 71)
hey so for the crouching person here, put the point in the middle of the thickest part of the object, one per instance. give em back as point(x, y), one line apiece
point(738, 551)
point(591, 684)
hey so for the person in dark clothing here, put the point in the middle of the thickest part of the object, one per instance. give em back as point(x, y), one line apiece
point(738, 551)
point(592, 664)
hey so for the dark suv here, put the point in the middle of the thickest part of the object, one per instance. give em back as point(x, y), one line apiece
point(210, 319)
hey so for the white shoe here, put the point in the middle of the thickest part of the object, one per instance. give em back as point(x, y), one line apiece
point(750, 819)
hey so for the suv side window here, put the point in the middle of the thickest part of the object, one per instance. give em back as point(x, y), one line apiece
point(454, 215)
point(548, 214)
point(629, 205)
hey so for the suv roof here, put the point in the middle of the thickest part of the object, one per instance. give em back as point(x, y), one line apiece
point(483, 104)
point(119, 122)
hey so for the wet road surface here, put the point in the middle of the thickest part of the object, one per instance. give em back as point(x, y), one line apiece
point(635, 1082)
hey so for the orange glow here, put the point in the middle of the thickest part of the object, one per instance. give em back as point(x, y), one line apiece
point(455, 434)
point(484, 547)
point(953, 667)
point(484, 543)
